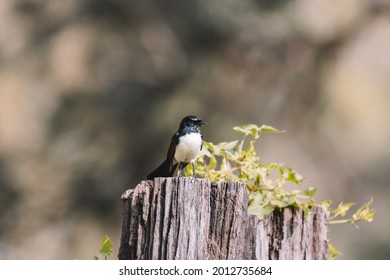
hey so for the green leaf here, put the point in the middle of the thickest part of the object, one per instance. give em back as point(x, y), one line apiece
point(292, 176)
point(208, 146)
point(228, 145)
point(106, 247)
point(188, 171)
point(248, 129)
point(274, 165)
point(254, 130)
point(306, 211)
point(267, 128)
point(289, 200)
point(333, 252)
point(260, 210)
point(364, 213)
point(310, 192)
point(213, 163)
point(284, 200)
point(326, 204)
point(205, 152)
point(342, 209)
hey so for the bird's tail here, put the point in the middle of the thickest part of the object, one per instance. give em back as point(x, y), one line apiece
point(164, 170)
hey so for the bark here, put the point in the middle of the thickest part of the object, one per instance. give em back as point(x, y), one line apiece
point(183, 218)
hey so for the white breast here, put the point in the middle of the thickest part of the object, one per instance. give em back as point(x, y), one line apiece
point(188, 148)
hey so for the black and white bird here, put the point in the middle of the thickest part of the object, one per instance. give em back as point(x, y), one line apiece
point(185, 146)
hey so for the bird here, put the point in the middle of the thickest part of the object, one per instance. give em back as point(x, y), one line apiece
point(184, 148)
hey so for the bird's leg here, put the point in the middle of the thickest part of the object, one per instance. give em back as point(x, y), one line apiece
point(180, 171)
point(193, 169)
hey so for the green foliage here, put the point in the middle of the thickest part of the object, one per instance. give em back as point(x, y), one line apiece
point(266, 182)
point(333, 252)
point(364, 213)
point(105, 248)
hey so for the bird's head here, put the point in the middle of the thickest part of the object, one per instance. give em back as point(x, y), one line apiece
point(192, 121)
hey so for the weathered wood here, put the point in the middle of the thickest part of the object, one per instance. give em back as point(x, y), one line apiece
point(187, 218)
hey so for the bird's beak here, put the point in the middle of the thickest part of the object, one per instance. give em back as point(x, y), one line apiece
point(202, 122)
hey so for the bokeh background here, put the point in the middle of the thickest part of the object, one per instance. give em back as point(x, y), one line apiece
point(92, 90)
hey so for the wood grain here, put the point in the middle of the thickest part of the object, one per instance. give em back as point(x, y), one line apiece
point(183, 218)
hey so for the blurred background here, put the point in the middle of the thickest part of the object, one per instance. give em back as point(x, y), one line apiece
point(91, 92)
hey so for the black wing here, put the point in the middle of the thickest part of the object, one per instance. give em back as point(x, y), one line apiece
point(171, 162)
point(168, 167)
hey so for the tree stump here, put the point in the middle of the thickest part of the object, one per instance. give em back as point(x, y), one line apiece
point(184, 218)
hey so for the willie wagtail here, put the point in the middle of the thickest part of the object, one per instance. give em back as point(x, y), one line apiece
point(185, 146)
